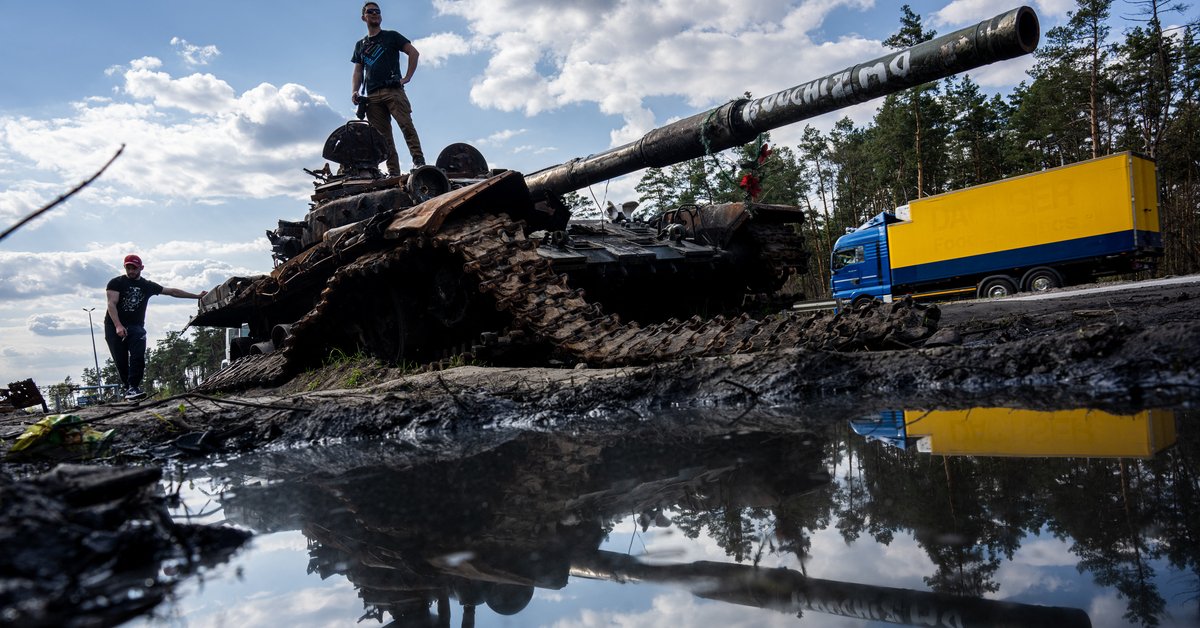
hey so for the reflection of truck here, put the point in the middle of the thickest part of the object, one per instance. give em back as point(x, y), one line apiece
point(1025, 433)
point(1030, 233)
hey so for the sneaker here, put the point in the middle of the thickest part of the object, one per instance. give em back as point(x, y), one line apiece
point(134, 393)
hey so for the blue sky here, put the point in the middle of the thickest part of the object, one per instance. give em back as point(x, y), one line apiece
point(220, 105)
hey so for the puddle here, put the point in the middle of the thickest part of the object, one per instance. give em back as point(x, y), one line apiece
point(988, 517)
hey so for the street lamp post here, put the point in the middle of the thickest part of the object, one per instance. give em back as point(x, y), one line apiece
point(95, 356)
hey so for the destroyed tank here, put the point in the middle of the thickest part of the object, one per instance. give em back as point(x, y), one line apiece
point(457, 258)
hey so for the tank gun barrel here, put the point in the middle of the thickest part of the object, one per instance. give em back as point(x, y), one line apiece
point(1010, 34)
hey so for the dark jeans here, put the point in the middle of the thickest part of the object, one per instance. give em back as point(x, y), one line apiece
point(128, 353)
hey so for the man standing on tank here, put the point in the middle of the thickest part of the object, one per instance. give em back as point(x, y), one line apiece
point(377, 75)
point(125, 322)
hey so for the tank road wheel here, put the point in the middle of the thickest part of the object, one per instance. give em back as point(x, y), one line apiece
point(995, 287)
point(390, 326)
point(239, 347)
point(421, 309)
point(1041, 279)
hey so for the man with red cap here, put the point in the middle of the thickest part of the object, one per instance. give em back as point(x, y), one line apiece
point(125, 322)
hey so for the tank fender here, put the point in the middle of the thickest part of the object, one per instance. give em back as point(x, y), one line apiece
point(505, 192)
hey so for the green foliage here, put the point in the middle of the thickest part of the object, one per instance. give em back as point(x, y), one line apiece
point(461, 360)
point(356, 378)
point(337, 357)
point(61, 392)
point(580, 205)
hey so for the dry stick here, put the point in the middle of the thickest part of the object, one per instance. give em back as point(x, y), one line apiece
point(64, 197)
point(753, 400)
point(216, 400)
point(453, 395)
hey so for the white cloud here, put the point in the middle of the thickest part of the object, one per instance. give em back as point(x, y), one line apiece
point(961, 13)
point(23, 198)
point(544, 56)
point(189, 138)
point(499, 137)
point(27, 276)
point(55, 325)
point(195, 93)
point(36, 275)
point(436, 49)
point(193, 54)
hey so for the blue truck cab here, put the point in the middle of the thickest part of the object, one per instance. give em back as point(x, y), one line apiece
point(860, 268)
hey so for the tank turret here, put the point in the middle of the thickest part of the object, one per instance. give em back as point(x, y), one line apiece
point(459, 258)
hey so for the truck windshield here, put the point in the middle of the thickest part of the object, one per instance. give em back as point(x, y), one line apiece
point(843, 257)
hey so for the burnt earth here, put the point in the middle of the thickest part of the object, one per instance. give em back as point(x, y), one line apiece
point(88, 546)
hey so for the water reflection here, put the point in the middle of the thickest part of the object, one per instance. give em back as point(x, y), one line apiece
point(1029, 433)
point(430, 538)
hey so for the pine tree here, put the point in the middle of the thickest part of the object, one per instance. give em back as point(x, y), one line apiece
point(910, 34)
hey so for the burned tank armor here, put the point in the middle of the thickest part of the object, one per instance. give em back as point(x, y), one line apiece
point(458, 258)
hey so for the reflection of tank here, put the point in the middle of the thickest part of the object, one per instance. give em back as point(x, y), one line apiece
point(1031, 433)
point(457, 256)
point(489, 529)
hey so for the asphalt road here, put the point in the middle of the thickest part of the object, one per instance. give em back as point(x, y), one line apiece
point(1073, 292)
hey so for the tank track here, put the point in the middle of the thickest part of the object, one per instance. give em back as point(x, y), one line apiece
point(496, 254)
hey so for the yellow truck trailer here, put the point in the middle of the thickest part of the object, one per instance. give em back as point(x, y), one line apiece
point(1033, 232)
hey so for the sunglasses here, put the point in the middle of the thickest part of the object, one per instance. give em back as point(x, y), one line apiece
point(372, 11)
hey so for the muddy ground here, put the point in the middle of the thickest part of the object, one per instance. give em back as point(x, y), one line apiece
point(1114, 350)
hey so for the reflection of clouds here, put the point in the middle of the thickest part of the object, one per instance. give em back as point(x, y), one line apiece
point(1044, 552)
point(1107, 610)
point(1040, 565)
point(669, 545)
point(267, 584)
point(901, 563)
point(681, 610)
point(318, 607)
point(280, 541)
point(546, 595)
point(1016, 579)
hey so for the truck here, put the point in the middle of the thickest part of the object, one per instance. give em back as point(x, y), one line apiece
point(1028, 233)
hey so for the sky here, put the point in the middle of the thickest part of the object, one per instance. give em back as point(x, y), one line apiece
point(220, 105)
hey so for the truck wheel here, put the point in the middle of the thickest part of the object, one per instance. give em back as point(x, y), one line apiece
point(861, 300)
point(1041, 279)
point(995, 287)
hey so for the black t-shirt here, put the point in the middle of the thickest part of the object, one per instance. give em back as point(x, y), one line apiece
point(380, 57)
point(131, 306)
